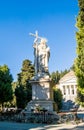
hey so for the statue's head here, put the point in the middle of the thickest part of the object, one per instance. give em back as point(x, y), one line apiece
point(43, 41)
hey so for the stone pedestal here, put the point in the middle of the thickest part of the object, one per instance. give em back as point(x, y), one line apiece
point(42, 94)
point(42, 104)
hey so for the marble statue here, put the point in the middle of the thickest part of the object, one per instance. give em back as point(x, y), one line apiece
point(42, 92)
point(41, 54)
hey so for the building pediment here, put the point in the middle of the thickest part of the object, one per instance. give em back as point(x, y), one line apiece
point(68, 78)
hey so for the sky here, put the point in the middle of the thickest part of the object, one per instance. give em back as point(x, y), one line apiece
point(54, 20)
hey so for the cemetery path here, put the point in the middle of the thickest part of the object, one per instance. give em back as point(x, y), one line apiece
point(29, 126)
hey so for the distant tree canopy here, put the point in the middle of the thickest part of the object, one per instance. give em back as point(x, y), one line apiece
point(55, 76)
point(6, 92)
point(23, 90)
point(79, 62)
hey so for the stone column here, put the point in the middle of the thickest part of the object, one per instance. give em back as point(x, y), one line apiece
point(66, 89)
point(74, 89)
point(62, 89)
point(70, 90)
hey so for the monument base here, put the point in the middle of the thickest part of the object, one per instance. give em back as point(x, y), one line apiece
point(39, 111)
point(40, 104)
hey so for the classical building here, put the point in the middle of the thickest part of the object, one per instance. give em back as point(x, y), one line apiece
point(68, 86)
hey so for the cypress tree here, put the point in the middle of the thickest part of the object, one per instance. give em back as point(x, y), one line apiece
point(79, 62)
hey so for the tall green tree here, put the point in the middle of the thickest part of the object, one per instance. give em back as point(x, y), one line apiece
point(24, 87)
point(27, 72)
point(13, 103)
point(21, 97)
point(6, 92)
point(58, 98)
point(79, 62)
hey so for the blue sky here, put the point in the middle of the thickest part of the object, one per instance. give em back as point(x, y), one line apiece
point(54, 19)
